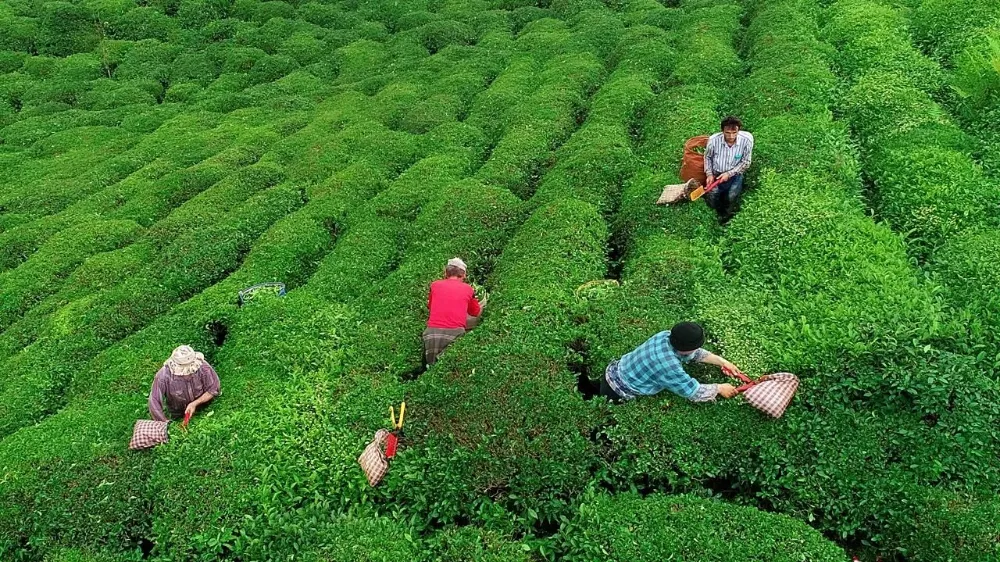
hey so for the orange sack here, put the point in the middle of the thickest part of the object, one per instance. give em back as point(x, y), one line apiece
point(693, 162)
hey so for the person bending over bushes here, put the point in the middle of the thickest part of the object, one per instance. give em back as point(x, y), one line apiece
point(727, 158)
point(658, 365)
point(453, 310)
point(186, 380)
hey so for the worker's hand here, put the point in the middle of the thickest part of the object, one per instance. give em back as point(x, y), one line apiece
point(189, 411)
point(727, 390)
point(724, 177)
point(710, 179)
point(727, 366)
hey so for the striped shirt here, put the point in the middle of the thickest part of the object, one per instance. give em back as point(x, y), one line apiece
point(652, 367)
point(721, 158)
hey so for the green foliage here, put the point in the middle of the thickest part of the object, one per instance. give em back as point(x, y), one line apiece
point(976, 81)
point(872, 36)
point(628, 527)
point(41, 274)
point(144, 22)
point(65, 28)
point(944, 28)
point(963, 263)
point(156, 158)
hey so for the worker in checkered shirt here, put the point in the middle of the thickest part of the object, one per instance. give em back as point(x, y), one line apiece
point(727, 157)
point(658, 365)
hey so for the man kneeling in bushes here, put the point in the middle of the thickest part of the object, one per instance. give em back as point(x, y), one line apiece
point(453, 309)
point(727, 157)
point(658, 365)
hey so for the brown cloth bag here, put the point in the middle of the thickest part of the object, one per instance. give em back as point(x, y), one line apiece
point(693, 162)
point(373, 460)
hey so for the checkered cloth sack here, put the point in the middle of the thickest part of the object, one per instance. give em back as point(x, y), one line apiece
point(772, 393)
point(147, 434)
point(373, 460)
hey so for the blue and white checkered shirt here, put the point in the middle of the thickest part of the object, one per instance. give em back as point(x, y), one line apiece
point(653, 367)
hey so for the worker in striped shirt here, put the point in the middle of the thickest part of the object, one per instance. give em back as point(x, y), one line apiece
point(727, 158)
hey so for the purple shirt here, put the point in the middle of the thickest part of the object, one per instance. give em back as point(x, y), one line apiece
point(180, 391)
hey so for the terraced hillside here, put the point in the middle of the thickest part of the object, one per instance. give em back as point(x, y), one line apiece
point(158, 156)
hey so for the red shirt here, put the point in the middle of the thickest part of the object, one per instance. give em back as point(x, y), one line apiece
point(450, 301)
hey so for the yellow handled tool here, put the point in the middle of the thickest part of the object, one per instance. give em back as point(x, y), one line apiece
point(392, 416)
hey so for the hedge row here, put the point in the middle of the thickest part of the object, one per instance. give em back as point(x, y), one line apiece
point(171, 238)
point(806, 449)
point(542, 121)
point(504, 440)
point(374, 342)
point(629, 527)
point(863, 357)
point(925, 183)
point(946, 28)
point(498, 421)
point(150, 192)
point(286, 252)
point(43, 272)
point(38, 376)
point(944, 197)
point(595, 162)
point(75, 450)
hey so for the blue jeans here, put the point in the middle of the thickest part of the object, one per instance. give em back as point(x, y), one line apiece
point(726, 196)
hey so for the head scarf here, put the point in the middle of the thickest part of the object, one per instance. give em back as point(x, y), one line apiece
point(184, 361)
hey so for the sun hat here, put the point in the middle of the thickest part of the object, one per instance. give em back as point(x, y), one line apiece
point(184, 361)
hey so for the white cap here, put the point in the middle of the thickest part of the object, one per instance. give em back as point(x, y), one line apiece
point(456, 262)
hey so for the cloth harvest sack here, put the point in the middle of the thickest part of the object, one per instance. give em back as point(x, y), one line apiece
point(769, 394)
point(772, 393)
point(693, 162)
point(147, 434)
point(676, 192)
point(373, 460)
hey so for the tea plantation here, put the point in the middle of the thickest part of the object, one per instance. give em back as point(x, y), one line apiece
point(159, 156)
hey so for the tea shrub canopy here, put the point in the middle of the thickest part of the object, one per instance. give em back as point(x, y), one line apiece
point(156, 158)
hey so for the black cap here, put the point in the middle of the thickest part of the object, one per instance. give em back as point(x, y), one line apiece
point(687, 336)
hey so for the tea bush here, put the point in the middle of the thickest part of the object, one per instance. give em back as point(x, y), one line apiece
point(905, 128)
point(41, 274)
point(512, 430)
point(887, 104)
point(944, 28)
point(629, 527)
point(156, 158)
point(694, 445)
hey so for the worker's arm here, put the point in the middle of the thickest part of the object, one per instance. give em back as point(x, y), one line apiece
point(205, 397)
point(156, 393)
point(708, 392)
point(713, 359)
point(210, 382)
point(475, 309)
point(709, 155)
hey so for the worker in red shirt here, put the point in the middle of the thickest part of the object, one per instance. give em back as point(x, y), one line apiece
point(453, 310)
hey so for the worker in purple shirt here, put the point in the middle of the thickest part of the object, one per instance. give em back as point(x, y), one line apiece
point(657, 365)
point(186, 381)
point(727, 157)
